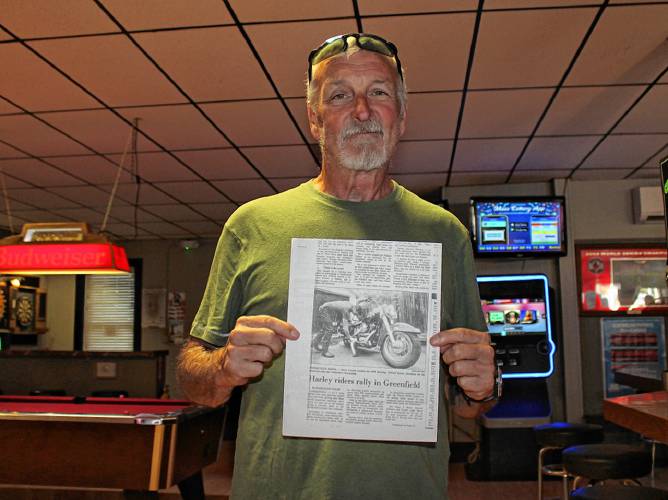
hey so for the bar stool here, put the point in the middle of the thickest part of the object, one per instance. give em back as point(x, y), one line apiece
point(556, 437)
point(599, 462)
point(618, 492)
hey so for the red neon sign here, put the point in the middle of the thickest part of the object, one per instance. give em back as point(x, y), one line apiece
point(75, 257)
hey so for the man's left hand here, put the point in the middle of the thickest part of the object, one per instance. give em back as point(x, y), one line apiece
point(470, 359)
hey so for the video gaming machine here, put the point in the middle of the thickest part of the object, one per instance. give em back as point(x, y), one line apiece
point(517, 310)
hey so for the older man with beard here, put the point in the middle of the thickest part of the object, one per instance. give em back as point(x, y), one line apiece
point(357, 112)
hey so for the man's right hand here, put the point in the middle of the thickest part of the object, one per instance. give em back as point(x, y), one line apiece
point(254, 341)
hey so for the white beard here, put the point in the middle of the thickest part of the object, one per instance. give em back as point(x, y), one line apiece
point(364, 154)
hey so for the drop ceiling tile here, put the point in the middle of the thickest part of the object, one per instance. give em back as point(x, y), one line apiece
point(287, 61)
point(218, 163)
point(42, 199)
point(244, 190)
point(157, 167)
point(538, 175)
point(591, 110)
point(371, 7)
point(203, 228)
point(239, 120)
point(647, 173)
point(554, 153)
point(92, 217)
point(441, 38)
point(625, 151)
point(208, 64)
point(432, 116)
point(5, 107)
point(5, 36)
point(192, 192)
point(523, 4)
point(29, 72)
point(17, 222)
point(14, 182)
point(283, 10)
point(16, 205)
point(298, 109)
point(649, 115)
point(7, 151)
point(39, 216)
point(216, 211)
point(421, 184)
point(111, 68)
point(627, 46)
point(153, 14)
point(100, 130)
point(595, 174)
point(174, 212)
point(166, 230)
point(91, 168)
point(487, 154)
point(148, 195)
point(286, 183)
point(503, 113)
point(477, 179)
point(527, 48)
point(90, 196)
point(42, 18)
point(656, 159)
point(283, 161)
point(126, 213)
point(37, 172)
point(128, 231)
point(176, 127)
point(421, 156)
point(36, 138)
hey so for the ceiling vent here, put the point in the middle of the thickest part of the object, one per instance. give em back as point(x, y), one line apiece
point(648, 204)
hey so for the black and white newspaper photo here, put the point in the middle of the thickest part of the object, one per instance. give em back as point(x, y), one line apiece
point(363, 367)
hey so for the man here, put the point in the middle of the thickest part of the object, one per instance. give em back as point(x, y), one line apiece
point(332, 313)
point(356, 110)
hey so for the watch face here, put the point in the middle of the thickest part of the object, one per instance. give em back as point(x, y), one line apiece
point(24, 310)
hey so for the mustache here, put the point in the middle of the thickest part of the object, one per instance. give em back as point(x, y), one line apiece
point(369, 127)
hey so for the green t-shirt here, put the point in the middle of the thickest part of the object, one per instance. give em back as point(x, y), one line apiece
point(250, 275)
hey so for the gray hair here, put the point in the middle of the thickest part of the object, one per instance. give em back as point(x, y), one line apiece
point(313, 86)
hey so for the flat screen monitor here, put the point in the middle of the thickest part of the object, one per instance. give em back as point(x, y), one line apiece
point(518, 227)
point(517, 313)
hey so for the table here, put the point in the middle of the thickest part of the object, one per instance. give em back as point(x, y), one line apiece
point(646, 413)
point(137, 445)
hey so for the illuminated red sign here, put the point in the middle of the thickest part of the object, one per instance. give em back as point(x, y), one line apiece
point(74, 257)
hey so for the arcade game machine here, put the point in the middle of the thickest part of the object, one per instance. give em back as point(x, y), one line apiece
point(518, 316)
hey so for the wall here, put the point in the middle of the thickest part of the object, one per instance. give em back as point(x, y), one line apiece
point(59, 313)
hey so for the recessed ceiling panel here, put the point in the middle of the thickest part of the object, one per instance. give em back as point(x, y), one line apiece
point(36, 138)
point(554, 153)
point(208, 64)
point(34, 85)
point(625, 151)
point(283, 161)
point(650, 115)
point(284, 49)
point(369, 7)
point(421, 157)
point(503, 113)
point(282, 10)
point(218, 164)
point(42, 18)
point(192, 192)
point(487, 154)
point(111, 68)
point(436, 58)
point(245, 190)
point(254, 123)
point(176, 127)
point(156, 167)
point(432, 116)
point(37, 172)
point(527, 48)
point(590, 110)
point(629, 45)
point(152, 14)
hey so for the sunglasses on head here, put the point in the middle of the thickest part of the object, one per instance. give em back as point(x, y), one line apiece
point(339, 44)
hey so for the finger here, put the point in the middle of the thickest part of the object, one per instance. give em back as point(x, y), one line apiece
point(476, 387)
point(476, 352)
point(459, 336)
point(247, 336)
point(278, 326)
point(471, 369)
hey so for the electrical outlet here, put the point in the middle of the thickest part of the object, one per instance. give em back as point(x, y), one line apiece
point(105, 369)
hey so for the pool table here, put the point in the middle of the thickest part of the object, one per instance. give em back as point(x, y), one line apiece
point(137, 445)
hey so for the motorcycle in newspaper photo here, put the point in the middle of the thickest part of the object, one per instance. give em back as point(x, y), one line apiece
point(377, 329)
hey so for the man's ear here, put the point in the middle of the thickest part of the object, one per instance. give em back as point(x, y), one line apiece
point(313, 122)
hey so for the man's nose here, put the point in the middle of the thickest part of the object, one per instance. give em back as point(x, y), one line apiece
point(362, 111)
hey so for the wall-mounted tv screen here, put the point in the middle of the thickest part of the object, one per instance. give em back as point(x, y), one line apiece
point(518, 227)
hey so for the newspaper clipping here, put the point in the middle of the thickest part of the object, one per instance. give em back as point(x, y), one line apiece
point(363, 368)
